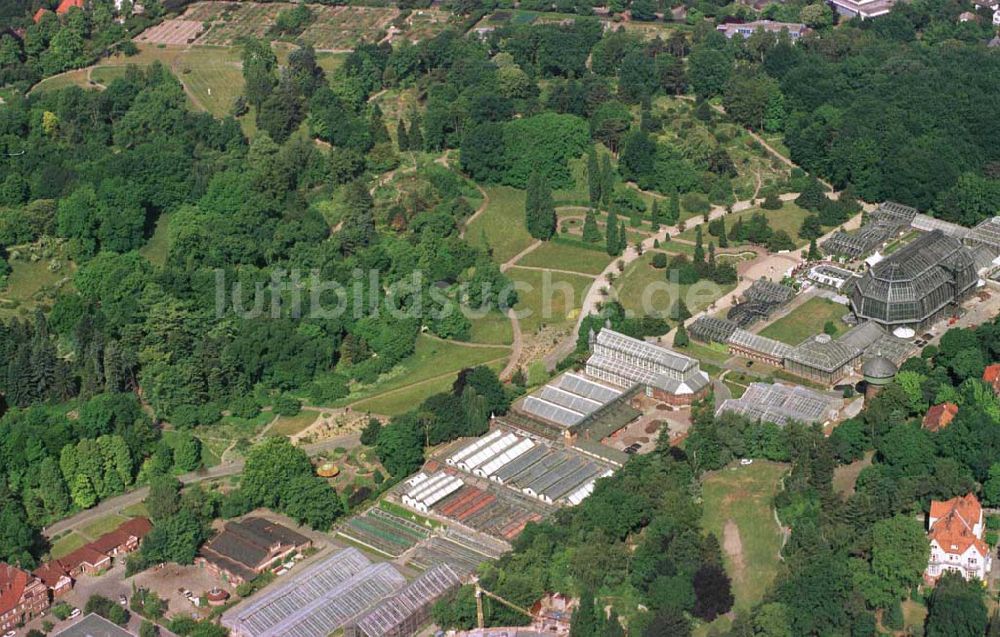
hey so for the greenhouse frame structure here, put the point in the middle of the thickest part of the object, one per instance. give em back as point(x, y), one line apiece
point(915, 286)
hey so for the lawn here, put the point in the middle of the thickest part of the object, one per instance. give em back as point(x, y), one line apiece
point(645, 291)
point(807, 320)
point(548, 298)
point(290, 425)
point(788, 218)
point(566, 256)
point(159, 243)
point(32, 282)
point(100, 526)
point(66, 545)
point(492, 329)
point(431, 358)
point(846, 476)
point(403, 400)
point(501, 224)
point(738, 509)
point(137, 510)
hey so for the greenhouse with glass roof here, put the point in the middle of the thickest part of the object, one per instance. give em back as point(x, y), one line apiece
point(915, 286)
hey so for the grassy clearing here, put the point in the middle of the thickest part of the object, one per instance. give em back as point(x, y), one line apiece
point(502, 224)
point(137, 510)
point(645, 291)
point(403, 400)
point(100, 526)
point(846, 476)
point(807, 320)
point(914, 614)
point(431, 358)
point(290, 425)
point(66, 545)
point(738, 509)
point(548, 298)
point(492, 329)
point(159, 243)
point(33, 283)
point(563, 256)
point(788, 218)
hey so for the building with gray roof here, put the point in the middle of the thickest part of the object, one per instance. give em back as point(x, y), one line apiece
point(822, 359)
point(709, 329)
point(916, 285)
point(780, 404)
point(94, 625)
point(758, 348)
point(664, 374)
point(403, 613)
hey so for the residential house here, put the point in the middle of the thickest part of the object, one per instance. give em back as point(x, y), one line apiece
point(955, 531)
point(745, 30)
point(66, 5)
point(245, 549)
point(940, 416)
point(58, 575)
point(22, 596)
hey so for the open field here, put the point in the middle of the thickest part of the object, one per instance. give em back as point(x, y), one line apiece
point(159, 243)
point(846, 476)
point(807, 320)
point(492, 329)
point(553, 298)
point(290, 425)
point(502, 224)
point(406, 398)
point(31, 283)
point(738, 509)
point(432, 358)
point(564, 256)
point(644, 290)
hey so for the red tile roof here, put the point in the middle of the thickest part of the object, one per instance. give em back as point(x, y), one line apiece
point(940, 416)
point(12, 584)
point(954, 523)
point(66, 5)
point(83, 555)
point(992, 373)
point(50, 573)
point(39, 14)
point(136, 527)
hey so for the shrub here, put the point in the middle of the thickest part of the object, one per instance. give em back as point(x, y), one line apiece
point(696, 202)
point(893, 617)
point(659, 260)
point(244, 407)
point(285, 405)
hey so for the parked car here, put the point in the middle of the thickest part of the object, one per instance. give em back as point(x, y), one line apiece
point(746, 462)
point(75, 613)
point(123, 600)
point(10, 633)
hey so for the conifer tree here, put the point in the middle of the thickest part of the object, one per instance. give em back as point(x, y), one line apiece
point(539, 209)
point(416, 136)
point(607, 180)
point(591, 233)
point(611, 235)
point(402, 137)
point(674, 213)
point(622, 237)
point(654, 215)
point(681, 336)
point(593, 177)
point(814, 254)
point(723, 238)
point(699, 249)
point(711, 255)
point(380, 133)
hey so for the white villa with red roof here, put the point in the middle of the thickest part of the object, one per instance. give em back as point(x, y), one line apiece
point(956, 536)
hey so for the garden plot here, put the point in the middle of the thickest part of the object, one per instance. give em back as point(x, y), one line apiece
point(383, 531)
point(177, 31)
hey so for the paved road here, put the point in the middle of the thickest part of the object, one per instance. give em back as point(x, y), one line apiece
point(116, 504)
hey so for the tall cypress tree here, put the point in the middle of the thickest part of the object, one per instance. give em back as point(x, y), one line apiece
point(416, 137)
point(593, 177)
point(622, 237)
point(607, 180)
point(723, 238)
point(591, 233)
point(814, 254)
point(402, 138)
point(611, 235)
point(546, 213)
point(654, 215)
point(674, 212)
point(699, 249)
